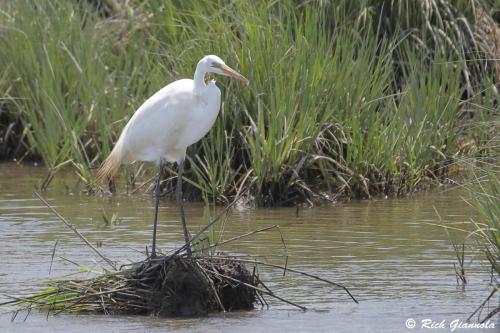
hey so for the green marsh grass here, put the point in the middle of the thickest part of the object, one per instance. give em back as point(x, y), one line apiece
point(482, 233)
point(485, 198)
point(339, 101)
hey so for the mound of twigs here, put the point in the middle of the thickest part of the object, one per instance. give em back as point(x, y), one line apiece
point(165, 286)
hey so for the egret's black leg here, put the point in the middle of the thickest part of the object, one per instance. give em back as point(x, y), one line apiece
point(157, 201)
point(180, 203)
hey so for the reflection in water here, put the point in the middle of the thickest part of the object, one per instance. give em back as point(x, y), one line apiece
point(394, 261)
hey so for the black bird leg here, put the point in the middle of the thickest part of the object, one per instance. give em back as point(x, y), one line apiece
point(180, 203)
point(157, 201)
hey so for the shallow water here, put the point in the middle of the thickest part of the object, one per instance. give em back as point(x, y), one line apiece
point(387, 252)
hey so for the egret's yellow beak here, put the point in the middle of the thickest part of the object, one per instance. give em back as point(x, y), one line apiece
point(231, 72)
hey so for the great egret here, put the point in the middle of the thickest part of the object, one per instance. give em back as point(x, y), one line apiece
point(175, 117)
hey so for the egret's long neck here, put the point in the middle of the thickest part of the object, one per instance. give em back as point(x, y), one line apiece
point(199, 80)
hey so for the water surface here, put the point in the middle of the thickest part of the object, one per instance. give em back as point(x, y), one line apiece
point(387, 252)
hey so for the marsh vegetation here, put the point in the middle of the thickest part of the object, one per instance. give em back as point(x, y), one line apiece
point(347, 99)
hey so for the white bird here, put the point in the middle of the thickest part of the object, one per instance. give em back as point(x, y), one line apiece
point(174, 118)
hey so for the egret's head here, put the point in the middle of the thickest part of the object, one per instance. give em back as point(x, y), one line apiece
point(214, 64)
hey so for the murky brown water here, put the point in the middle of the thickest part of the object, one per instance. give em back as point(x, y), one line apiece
point(397, 264)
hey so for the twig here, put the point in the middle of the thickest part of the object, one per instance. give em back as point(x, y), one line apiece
point(14, 315)
point(72, 305)
point(52, 258)
point(243, 236)
point(286, 265)
point(28, 313)
point(263, 300)
point(295, 271)
point(47, 181)
point(482, 304)
point(270, 293)
point(211, 282)
point(70, 261)
point(277, 227)
point(79, 298)
point(255, 282)
point(491, 314)
point(265, 287)
point(24, 299)
point(217, 218)
point(69, 225)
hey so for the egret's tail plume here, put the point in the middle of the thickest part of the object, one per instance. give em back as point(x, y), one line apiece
point(109, 167)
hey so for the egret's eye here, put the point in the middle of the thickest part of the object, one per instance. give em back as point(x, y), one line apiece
point(216, 65)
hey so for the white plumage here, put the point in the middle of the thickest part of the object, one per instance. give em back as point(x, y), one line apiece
point(171, 120)
point(174, 118)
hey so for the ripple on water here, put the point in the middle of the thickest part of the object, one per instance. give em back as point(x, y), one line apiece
point(387, 252)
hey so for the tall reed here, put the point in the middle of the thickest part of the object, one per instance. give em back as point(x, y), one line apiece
point(336, 102)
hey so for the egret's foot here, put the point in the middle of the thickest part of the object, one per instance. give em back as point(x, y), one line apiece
point(152, 256)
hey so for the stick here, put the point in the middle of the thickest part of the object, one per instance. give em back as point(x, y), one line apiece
point(69, 225)
point(277, 227)
point(482, 304)
point(294, 271)
point(52, 258)
point(491, 314)
point(79, 298)
point(255, 281)
point(270, 293)
point(265, 287)
point(242, 236)
point(24, 299)
point(217, 218)
point(211, 282)
point(68, 307)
